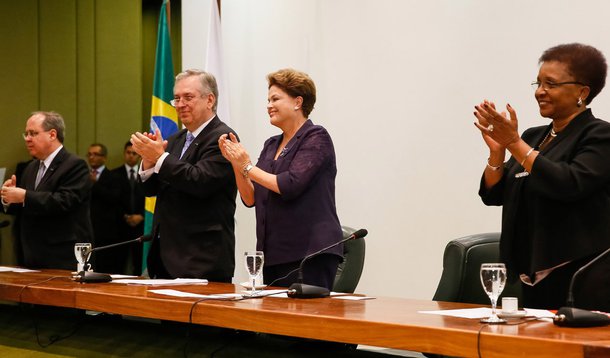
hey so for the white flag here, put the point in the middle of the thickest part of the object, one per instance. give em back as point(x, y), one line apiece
point(214, 64)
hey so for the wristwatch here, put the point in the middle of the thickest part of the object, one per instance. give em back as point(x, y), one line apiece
point(247, 169)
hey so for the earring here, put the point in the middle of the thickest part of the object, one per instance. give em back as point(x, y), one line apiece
point(579, 103)
point(296, 108)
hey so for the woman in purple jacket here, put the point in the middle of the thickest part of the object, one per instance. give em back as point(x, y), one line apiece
point(292, 186)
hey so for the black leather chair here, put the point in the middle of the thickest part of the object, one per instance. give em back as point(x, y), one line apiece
point(460, 280)
point(350, 270)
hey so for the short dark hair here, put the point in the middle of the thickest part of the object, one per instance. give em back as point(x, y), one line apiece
point(586, 63)
point(53, 120)
point(103, 148)
point(128, 144)
point(296, 84)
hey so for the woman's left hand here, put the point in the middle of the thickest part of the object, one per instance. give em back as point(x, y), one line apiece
point(233, 151)
point(497, 126)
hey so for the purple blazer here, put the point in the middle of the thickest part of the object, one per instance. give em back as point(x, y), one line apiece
point(303, 219)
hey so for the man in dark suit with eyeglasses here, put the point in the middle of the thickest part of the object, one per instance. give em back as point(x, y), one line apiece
point(52, 198)
point(193, 225)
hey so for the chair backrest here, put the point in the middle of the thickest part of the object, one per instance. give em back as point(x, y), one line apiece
point(350, 270)
point(460, 280)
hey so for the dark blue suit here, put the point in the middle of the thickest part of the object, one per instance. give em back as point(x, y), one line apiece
point(193, 225)
point(55, 215)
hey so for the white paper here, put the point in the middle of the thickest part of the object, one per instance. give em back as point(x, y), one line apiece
point(265, 293)
point(157, 282)
point(176, 293)
point(120, 276)
point(484, 312)
point(353, 298)
point(15, 269)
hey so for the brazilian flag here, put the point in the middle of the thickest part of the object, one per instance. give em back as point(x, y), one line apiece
point(162, 115)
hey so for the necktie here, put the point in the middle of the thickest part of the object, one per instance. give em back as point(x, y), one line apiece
point(132, 190)
point(132, 177)
point(40, 174)
point(95, 173)
point(187, 143)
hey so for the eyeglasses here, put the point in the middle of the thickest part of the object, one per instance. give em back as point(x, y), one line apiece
point(547, 85)
point(184, 100)
point(31, 134)
point(95, 154)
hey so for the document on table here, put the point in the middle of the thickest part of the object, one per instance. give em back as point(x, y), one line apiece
point(15, 269)
point(343, 296)
point(483, 312)
point(160, 282)
point(176, 293)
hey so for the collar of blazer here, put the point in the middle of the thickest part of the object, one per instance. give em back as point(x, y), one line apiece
point(59, 158)
point(198, 139)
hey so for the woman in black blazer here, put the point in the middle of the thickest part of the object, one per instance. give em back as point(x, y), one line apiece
point(555, 188)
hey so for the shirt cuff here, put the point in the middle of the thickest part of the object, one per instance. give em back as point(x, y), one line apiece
point(145, 174)
point(160, 162)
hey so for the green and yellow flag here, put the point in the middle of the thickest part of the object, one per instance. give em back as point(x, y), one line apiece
point(162, 115)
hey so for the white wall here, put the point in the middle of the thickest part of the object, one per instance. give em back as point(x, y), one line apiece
point(397, 82)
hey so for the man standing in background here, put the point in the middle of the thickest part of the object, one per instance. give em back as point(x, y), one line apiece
point(104, 212)
point(131, 207)
point(51, 201)
point(193, 224)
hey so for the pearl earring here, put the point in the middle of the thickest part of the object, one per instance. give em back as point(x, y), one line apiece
point(296, 108)
point(579, 103)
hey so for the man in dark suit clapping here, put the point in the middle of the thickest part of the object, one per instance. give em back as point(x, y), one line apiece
point(52, 198)
point(193, 225)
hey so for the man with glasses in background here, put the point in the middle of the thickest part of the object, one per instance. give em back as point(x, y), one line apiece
point(193, 225)
point(52, 198)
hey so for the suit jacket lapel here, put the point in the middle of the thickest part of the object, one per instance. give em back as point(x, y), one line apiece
point(59, 158)
point(200, 138)
point(175, 148)
point(29, 175)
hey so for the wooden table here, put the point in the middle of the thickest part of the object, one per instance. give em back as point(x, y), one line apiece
point(384, 322)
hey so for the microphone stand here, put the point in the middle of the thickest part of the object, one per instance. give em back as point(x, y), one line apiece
point(90, 276)
point(301, 290)
point(569, 316)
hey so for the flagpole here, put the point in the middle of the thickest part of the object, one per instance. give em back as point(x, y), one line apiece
point(168, 15)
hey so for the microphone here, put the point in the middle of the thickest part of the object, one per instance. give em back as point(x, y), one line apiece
point(140, 239)
point(569, 316)
point(301, 290)
point(92, 277)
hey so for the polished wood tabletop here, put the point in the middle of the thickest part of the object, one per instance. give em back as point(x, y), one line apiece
point(385, 322)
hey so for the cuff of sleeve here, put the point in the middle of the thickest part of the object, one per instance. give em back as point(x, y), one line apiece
point(145, 174)
point(283, 183)
point(160, 162)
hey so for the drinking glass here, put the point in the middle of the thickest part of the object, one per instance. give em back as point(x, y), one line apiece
point(493, 279)
point(254, 264)
point(82, 251)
